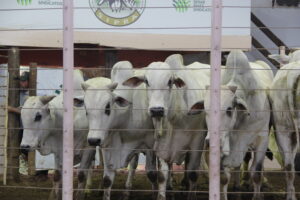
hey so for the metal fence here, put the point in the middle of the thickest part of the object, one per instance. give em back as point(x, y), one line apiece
point(218, 174)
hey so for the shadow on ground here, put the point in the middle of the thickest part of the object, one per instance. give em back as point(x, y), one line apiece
point(30, 188)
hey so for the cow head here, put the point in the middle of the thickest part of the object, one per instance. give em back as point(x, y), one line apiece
point(36, 120)
point(102, 106)
point(159, 80)
point(233, 111)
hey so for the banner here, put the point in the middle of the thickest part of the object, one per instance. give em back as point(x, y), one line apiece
point(141, 23)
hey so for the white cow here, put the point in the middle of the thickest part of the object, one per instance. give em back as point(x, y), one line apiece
point(119, 123)
point(285, 93)
point(171, 89)
point(245, 114)
point(42, 118)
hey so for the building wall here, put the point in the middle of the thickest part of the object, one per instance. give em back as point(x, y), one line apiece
point(96, 58)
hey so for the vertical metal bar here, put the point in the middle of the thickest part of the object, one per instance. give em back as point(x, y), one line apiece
point(68, 64)
point(215, 57)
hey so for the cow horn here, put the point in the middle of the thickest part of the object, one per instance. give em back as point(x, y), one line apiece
point(85, 86)
point(112, 86)
point(46, 99)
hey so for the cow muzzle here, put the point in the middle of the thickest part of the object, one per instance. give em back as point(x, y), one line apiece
point(157, 112)
point(94, 141)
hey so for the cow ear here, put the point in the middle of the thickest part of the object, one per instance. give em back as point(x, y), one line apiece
point(121, 102)
point(134, 81)
point(46, 99)
point(241, 105)
point(179, 83)
point(85, 86)
point(197, 108)
point(112, 86)
point(232, 88)
point(282, 59)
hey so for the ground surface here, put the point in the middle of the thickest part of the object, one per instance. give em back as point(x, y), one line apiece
point(40, 189)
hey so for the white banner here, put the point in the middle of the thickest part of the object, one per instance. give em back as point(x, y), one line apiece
point(129, 20)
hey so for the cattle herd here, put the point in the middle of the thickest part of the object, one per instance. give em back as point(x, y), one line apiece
point(162, 110)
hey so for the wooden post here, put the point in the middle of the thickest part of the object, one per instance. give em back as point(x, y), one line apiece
point(32, 79)
point(110, 60)
point(13, 143)
point(32, 92)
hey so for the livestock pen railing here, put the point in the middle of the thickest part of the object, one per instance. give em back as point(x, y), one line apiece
point(215, 111)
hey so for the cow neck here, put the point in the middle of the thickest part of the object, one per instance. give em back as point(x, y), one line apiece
point(136, 109)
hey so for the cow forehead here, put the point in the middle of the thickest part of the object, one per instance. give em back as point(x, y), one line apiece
point(158, 73)
point(227, 98)
point(96, 96)
point(30, 108)
point(32, 102)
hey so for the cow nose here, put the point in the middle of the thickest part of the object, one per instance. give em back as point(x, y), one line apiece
point(94, 141)
point(25, 149)
point(157, 112)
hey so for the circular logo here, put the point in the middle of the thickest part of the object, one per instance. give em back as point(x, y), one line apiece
point(118, 12)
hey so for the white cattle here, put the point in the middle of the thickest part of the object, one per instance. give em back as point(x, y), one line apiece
point(119, 123)
point(171, 89)
point(42, 118)
point(245, 114)
point(284, 94)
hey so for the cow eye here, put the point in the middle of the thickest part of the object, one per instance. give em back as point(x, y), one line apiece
point(78, 102)
point(107, 109)
point(146, 82)
point(229, 112)
point(38, 117)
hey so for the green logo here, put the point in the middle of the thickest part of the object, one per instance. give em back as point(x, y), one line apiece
point(181, 5)
point(24, 2)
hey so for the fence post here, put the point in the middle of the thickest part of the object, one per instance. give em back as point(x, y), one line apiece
point(214, 142)
point(110, 59)
point(32, 92)
point(13, 139)
point(68, 65)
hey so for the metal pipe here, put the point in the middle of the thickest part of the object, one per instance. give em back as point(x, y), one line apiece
point(214, 138)
point(68, 66)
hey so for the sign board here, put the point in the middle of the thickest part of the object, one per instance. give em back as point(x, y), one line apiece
point(144, 24)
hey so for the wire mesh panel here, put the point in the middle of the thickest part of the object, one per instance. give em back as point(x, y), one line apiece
point(141, 98)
